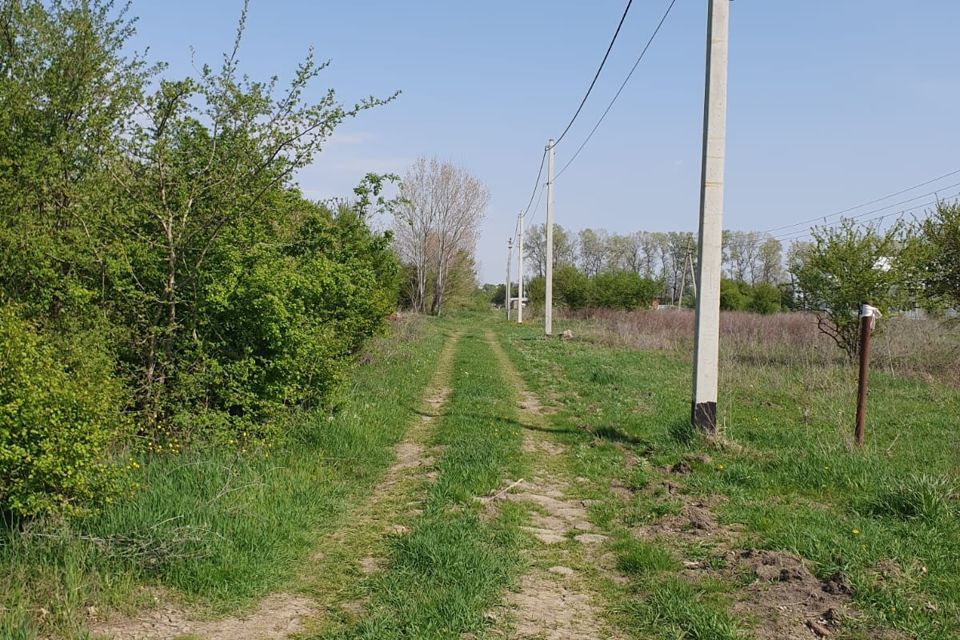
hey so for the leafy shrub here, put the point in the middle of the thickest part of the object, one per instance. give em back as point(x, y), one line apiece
point(278, 326)
point(58, 419)
point(622, 290)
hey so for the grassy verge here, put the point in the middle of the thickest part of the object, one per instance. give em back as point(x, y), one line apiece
point(449, 569)
point(886, 516)
point(220, 528)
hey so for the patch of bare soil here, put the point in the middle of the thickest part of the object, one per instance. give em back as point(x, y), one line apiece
point(278, 616)
point(548, 608)
point(283, 615)
point(553, 603)
point(784, 598)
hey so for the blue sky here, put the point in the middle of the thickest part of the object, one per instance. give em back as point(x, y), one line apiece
point(831, 103)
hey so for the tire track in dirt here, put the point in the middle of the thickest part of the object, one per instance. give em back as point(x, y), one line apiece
point(553, 601)
point(334, 571)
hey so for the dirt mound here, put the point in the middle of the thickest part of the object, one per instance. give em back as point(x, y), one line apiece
point(786, 599)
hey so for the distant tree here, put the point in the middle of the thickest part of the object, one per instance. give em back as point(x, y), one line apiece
point(535, 248)
point(733, 296)
point(492, 291)
point(571, 288)
point(741, 251)
point(680, 250)
point(535, 290)
point(933, 256)
point(594, 251)
point(620, 254)
point(648, 251)
point(843, 267)
point(770, 257)
point(764, 298)
point(442, 206)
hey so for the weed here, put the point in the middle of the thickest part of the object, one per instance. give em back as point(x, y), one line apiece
point(922, 497)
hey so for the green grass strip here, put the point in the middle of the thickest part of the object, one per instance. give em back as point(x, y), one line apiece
point(452, 567)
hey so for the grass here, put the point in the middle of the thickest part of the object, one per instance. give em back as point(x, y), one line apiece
point(451, 567)
point(217, 528)
point(885, 515)
point(220, 530)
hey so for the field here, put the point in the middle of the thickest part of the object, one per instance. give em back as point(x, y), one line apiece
point(482, 481)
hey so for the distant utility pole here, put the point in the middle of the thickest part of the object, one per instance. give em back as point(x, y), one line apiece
point(506, 291)
point(692, 271)
point(707, 338)
point(548, 295)
point(520, 273)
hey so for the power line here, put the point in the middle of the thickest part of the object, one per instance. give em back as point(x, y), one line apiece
point(536, 207)
point(890, 206)
point(620, 90)
point(597, 74)
point(536, 184)
point(866, 204)
point(797, 235)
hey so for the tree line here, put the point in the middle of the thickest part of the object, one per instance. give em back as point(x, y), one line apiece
point(650, 266)
point(905, 266)
point(162, 279)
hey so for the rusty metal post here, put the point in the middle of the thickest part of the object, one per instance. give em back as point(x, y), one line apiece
point(868, 316)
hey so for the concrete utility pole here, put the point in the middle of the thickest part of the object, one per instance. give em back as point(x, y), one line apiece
point(693, 270)
point(709, 252)
point(548, 295)
point(520, 273)
point(506, 291)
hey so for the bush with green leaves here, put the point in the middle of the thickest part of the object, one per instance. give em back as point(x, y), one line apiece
point(845, 266)
point(622, 290)
point(59, 419)
point(278, 324)
point(163, 213)
point(932, 257)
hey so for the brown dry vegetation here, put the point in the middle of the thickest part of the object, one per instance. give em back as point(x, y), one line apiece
point(927, 348)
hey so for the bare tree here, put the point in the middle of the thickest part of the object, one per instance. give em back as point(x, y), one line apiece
point(535, 248)
point(619, 253)
point(438, 220)
point(594, 251)
point(771, 261)
point(741, 250)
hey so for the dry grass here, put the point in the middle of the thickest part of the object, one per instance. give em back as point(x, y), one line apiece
point(927, 348)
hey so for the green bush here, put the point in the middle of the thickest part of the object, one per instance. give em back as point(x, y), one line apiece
point(278, 326)
point(571, 288)
point(765, 298)
point(733, 295)
point(59, 417)
point(622, 290)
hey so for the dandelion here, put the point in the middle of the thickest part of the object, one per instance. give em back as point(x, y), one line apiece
point(720, 467)
point(856, 531)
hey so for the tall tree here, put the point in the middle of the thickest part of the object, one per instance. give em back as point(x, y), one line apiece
point(67, 93)
point(439, 218)
point(594, 250)
point(535, 248)
point(770, 258)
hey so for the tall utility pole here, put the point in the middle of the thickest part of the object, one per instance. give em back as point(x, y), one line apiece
point(520, 273)
point(707, 338)
point(506, 291)
point(548, 294)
